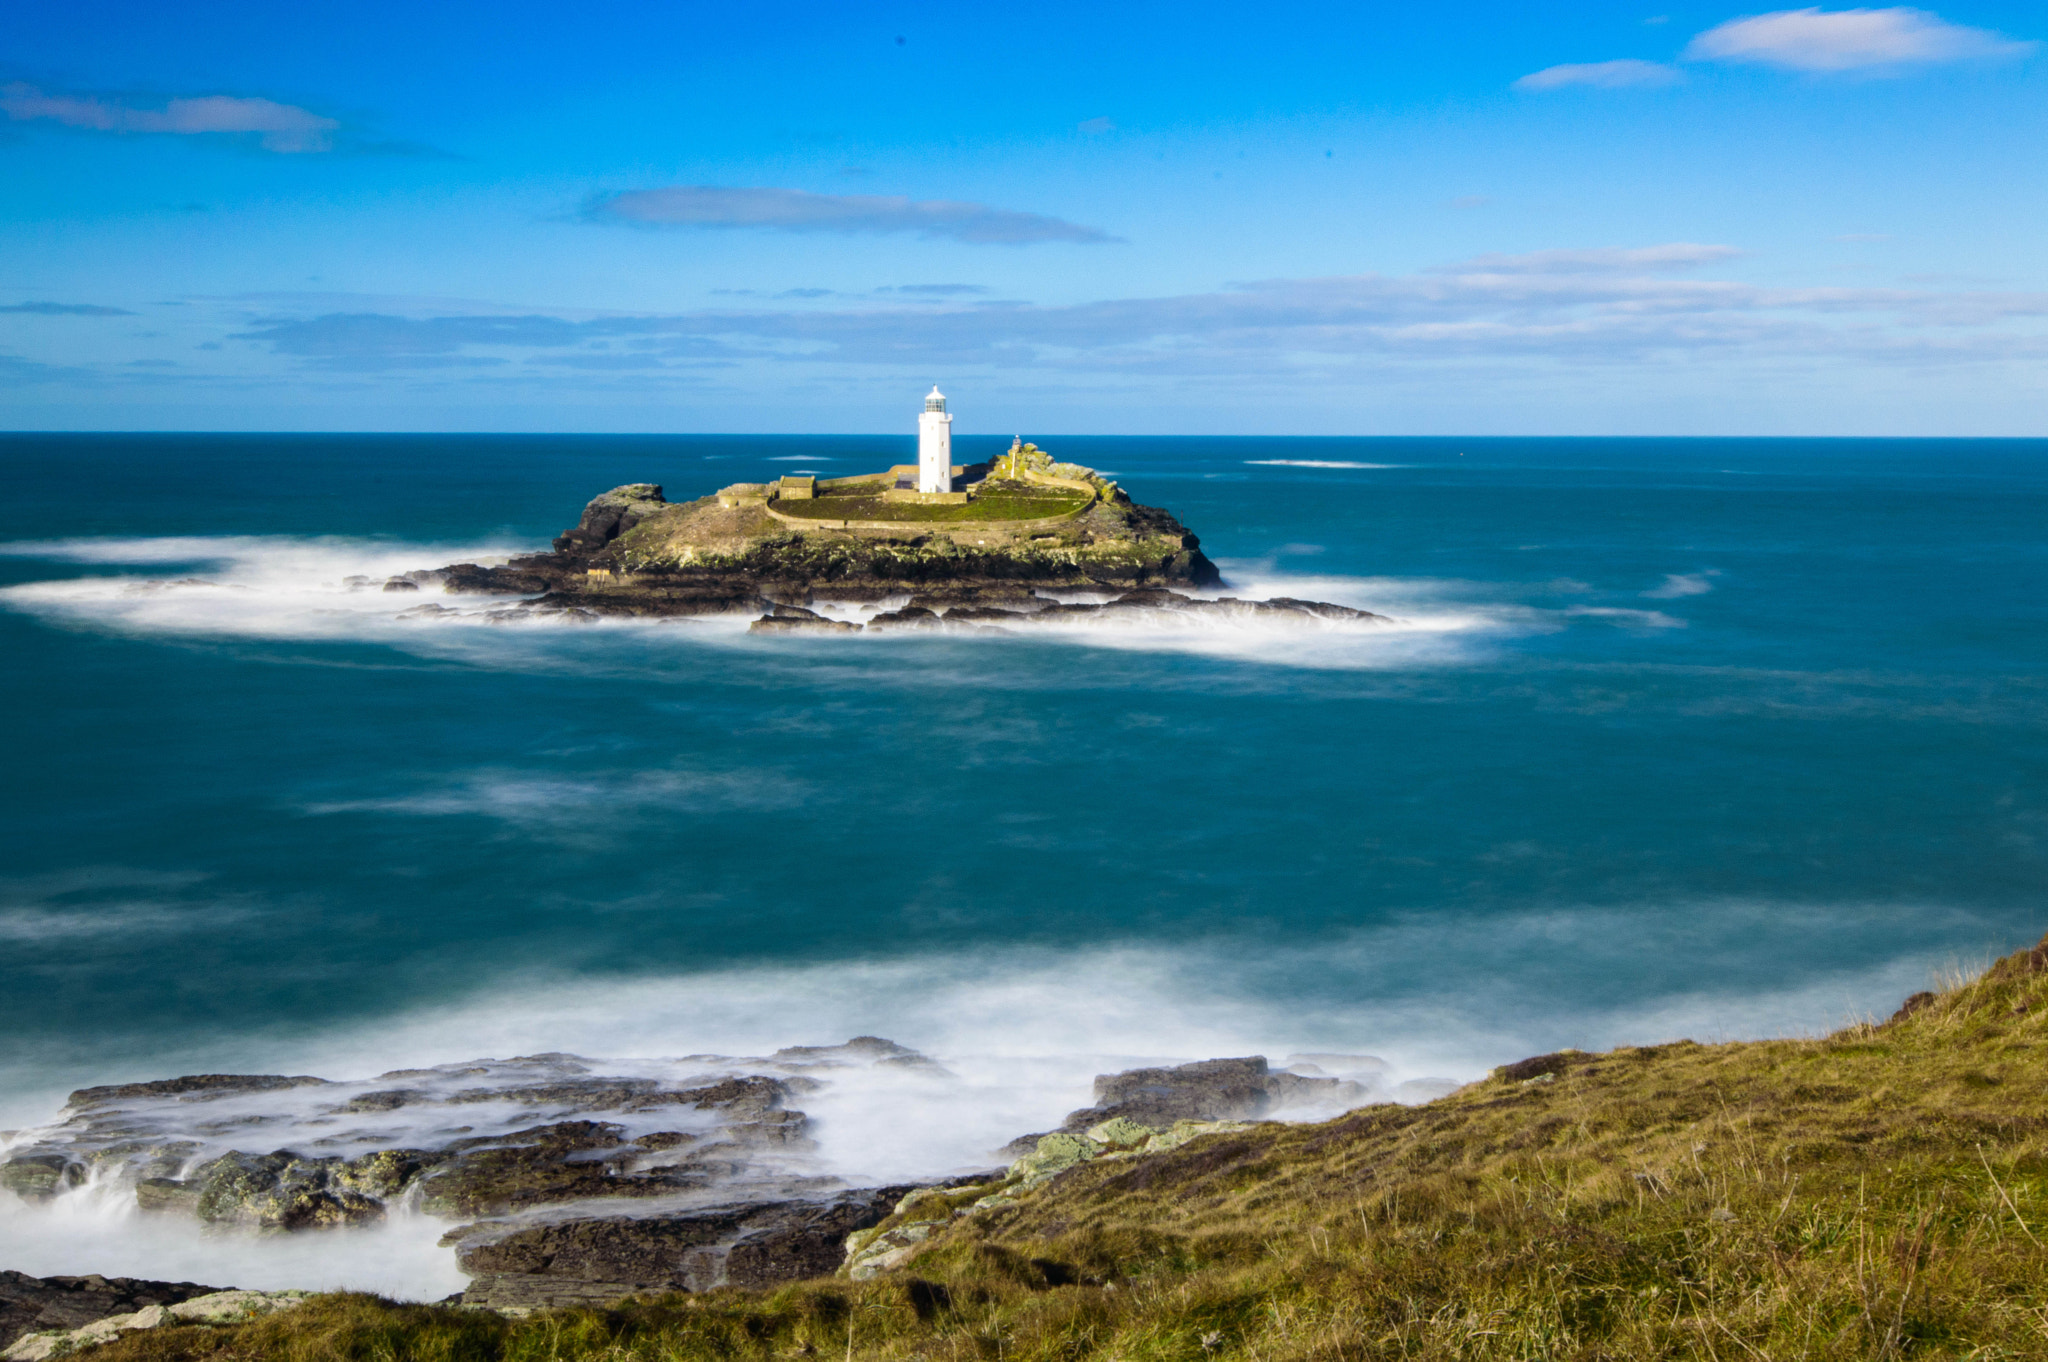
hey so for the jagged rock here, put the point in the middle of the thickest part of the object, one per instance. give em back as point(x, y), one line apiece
point(860, 1047)
point(534, 1167)
point(38, 1176)
point(277, 1191)
point(1120, 1131)
point(219, 1307)
point(473, 579)
point(167, 1195)
point(1209, 1090)
point(611, 514)
point(909, 617)
point(192, 1087)
point(772, 624)
point(982, 614)
point(589, 1261)
point(31, 1304)
point(1054, 1154)
point(739, 1134)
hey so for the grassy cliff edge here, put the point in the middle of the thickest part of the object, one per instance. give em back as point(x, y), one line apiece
point(1879, 1192)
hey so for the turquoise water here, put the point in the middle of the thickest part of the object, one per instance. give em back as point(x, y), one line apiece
point(1696, 737)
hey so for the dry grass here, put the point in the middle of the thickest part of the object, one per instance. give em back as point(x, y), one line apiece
point(1878, 1193)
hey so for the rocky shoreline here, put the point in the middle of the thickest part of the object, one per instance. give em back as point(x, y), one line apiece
point(634, 554)
point(632, 1185)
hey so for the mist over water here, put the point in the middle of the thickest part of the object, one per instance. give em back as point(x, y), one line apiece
point(1707, 738)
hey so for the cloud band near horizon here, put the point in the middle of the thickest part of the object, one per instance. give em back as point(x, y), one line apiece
point(797, 210)
point(1602, 306)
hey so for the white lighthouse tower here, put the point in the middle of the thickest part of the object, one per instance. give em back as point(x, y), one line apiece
point(935, 444)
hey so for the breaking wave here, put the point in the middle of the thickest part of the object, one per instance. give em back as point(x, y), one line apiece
point(335, 590)
point(1014, 1039)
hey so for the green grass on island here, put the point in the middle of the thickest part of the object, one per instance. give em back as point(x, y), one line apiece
point(1878, 1193)
point(993, 504)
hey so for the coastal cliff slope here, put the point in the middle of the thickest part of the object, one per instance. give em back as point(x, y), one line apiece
point(1881, 1192)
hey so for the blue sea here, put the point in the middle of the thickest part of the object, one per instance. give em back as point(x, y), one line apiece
point(1704, 738)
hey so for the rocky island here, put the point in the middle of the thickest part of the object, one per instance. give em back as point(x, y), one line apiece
point(1019, 541)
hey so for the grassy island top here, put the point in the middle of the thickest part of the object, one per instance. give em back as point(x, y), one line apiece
point(1020, 518)
point(991, 501)
point(1025, 484)
point(1878, 1193)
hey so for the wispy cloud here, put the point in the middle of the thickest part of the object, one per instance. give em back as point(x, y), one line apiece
point(934, 290)
point(798, 210)
point(1676, 255)
point(67, 310)
point(1849, 40)
point(1606, 305)
point(276, 127)
point(1601, 75)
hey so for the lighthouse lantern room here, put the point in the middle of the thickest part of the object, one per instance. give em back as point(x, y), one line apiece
point(935, 444)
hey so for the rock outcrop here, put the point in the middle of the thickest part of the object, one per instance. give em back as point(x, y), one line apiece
point(574, 1186)
point(1246, 1089)
point(633, 553)
point(589, 1260)
point(208, 1308)
point(32, 1304)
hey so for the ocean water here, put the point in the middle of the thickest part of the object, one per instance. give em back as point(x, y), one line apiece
point(1708, 738)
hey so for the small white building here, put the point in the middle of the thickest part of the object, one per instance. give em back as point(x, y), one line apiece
point(935, 444)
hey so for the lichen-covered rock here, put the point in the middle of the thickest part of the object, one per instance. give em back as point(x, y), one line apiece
point(221, 1307)
point(279, 1191)
point(61, 1304)
point(233, 1307)
point(1054, 1154)
point(1180, 1132)
point(38, 1176)
point(1119, 1132)
point(611, 514)
point(893, 1241)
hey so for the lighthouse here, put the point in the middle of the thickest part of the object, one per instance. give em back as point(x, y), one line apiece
point(935, 444)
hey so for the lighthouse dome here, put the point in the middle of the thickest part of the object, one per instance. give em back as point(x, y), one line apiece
point(935, 400)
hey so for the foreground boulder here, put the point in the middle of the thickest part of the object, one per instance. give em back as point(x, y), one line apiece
point(591, 1260)
point(37, 1304)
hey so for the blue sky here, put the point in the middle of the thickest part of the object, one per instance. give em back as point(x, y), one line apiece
point(1314, 219)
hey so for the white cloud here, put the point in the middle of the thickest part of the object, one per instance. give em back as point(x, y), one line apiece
point(1601, 75)
point(1849, 40)
point(1675, 255)
point(278, 127)
point(797, 210)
